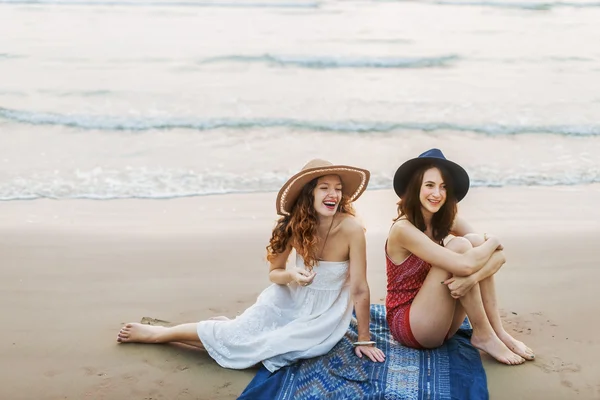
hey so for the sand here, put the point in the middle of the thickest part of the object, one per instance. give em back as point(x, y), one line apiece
point(73, 271)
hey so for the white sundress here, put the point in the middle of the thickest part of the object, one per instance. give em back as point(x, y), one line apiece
point(287, 322)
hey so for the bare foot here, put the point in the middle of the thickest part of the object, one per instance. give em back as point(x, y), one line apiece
point(139, 333)
point(219, 318)
point(495, 348)
point(517, 346)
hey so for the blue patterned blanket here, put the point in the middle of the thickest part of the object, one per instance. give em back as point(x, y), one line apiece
point(453, 371)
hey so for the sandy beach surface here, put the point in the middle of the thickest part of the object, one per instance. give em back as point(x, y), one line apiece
point(73, 271)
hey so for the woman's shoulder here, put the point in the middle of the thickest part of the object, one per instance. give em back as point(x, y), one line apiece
point(401, 225)
point(350, 223)
point(395, 244)
point(403, 231)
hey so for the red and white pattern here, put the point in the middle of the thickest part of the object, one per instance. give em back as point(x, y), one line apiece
point(404, 281)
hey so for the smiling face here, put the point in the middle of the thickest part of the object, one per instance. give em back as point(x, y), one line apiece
point(433, 191)
point(327, 195)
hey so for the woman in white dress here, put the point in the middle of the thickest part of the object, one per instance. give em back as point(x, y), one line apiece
point(308, 308)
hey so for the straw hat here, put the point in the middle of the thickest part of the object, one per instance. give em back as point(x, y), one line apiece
point(354, 182)
point(435, 157)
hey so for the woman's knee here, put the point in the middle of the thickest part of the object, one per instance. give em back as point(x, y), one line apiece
point(459, 245)
point(475, 239)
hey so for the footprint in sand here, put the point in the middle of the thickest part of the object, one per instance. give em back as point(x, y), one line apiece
point(527, 324)
point(555, 364)
point(130, 379)
point(154, 321)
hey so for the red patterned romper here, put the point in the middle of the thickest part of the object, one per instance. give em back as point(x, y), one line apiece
point(404, 281)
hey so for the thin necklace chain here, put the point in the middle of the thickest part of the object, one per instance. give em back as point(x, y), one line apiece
point(326, 237)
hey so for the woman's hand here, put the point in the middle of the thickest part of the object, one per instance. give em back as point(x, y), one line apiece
point(375, 354)
point(302, 277)
point(487, 237)
point(460, 285)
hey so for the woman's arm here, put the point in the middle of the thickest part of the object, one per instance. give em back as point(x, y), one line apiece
point(407, 236)
point(282, 276)
point(277, 272)
point(494, 263)
point(359, 288)
point(459, 286)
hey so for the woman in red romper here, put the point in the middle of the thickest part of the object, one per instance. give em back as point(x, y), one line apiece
point(429, 244)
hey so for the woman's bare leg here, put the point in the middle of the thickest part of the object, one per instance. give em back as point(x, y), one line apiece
point(484, 338)
point(140, 333)
point(459, 317)
point(488, 295)
point(198, 344)
point(432, 312)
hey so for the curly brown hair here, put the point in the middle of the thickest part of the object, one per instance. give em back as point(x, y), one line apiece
point(300, 227)
point(410, 204)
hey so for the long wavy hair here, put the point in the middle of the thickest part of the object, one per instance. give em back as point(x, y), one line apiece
point(410, 205)
point(300, 227)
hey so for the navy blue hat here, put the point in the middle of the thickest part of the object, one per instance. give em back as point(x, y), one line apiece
point(435, 157)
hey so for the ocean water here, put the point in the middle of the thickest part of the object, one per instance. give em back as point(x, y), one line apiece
point(109, 99)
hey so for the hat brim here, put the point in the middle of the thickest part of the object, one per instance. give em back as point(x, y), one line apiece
point(354, 183)
point(406, 170)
